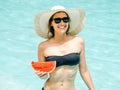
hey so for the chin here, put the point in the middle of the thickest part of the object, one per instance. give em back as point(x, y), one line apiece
point(63, 31)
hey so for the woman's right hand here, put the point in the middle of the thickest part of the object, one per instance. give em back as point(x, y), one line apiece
point(42, 75)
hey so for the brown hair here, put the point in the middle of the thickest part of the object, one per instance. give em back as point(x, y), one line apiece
point(51, 29)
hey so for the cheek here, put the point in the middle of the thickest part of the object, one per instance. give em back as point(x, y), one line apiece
point(67, 26)
point(53, 24)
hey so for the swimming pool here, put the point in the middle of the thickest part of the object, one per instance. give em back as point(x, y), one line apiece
point(18, 43)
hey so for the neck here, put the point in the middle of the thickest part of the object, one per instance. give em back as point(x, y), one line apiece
point(60, 38)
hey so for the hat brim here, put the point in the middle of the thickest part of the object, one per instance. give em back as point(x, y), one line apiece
point(77, 17)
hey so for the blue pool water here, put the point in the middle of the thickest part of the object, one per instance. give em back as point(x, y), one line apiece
point(18, 42)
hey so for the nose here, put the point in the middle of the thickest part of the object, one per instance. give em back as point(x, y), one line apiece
point(62, 22)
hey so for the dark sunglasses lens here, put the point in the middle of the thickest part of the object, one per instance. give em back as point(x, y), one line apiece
point(66, 19)
point(57, 20)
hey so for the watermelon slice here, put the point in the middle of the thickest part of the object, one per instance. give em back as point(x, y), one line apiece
point(44, 66)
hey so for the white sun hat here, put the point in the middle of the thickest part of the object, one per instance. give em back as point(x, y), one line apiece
point(77, 20)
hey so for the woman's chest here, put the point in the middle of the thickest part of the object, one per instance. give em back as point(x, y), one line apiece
point(62, 49)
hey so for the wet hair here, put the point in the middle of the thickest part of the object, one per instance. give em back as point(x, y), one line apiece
point(51, 29)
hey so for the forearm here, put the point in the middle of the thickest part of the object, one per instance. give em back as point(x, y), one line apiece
point(87, 79)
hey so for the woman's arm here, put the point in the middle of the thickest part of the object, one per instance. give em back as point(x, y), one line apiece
point(41, 58)
point(83, 68)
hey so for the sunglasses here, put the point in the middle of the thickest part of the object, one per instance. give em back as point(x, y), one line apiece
point(65, 20)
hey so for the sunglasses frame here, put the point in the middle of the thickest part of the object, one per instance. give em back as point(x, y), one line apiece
point(64, 19)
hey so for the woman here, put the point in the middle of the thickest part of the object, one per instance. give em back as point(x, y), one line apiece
point(60, 26)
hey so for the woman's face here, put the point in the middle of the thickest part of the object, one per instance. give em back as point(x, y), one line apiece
point(60, 22)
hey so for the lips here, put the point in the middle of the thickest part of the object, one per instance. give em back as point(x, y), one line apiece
point(62, 27)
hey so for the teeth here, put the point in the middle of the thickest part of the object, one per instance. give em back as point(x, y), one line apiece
point(61, 27)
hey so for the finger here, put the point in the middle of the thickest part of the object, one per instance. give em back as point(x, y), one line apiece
point(41, 74)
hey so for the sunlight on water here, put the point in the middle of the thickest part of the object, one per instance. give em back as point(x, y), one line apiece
point(19, 42)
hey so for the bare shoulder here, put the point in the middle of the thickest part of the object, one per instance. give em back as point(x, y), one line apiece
point(80, 39)
point(43, 45)
point(81, 44)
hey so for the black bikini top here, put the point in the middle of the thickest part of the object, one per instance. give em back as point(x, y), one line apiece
point(68, 59)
